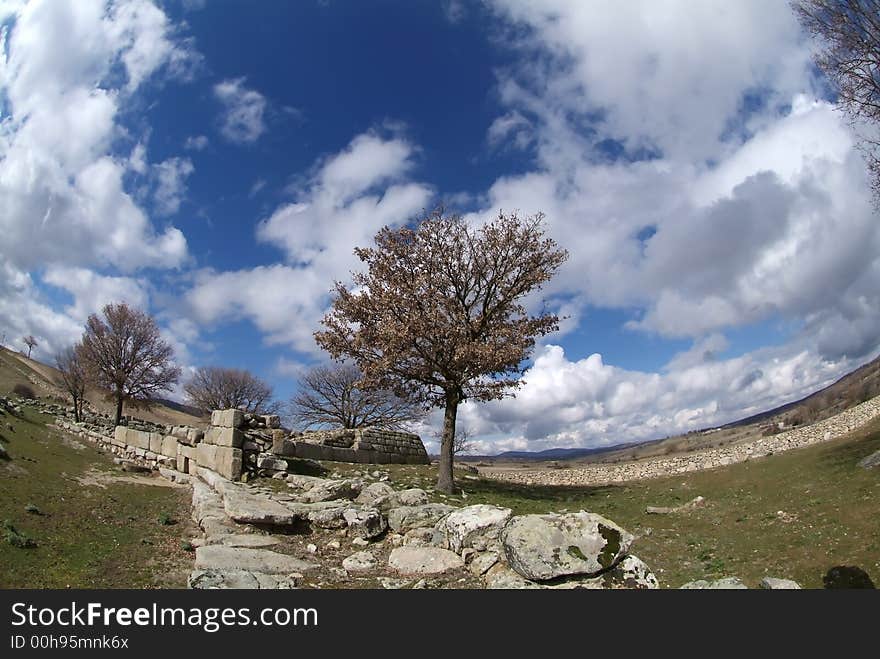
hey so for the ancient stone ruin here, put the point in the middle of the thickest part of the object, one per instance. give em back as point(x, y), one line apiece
point(237, 444)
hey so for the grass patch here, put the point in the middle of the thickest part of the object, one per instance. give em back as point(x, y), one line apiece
point(86, 536)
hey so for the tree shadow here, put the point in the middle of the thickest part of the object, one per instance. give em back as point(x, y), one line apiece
point(847, 576)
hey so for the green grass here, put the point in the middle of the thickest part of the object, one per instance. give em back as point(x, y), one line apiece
point(829, 513)
point(86, 536)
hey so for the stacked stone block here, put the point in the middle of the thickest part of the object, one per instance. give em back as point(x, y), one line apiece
point(362, 445)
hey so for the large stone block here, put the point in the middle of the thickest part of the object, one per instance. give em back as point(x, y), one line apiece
point(119, 436)
point(138, 439)
point(155, 442)
point(169, 446)
point(227, 418)
point(225, 461)
point(223, 436)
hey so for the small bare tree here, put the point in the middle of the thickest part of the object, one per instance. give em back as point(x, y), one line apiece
point(847, 33)
point(215, 388)
point(124, 352)
point(30, 342)
point(332, 396)
point(438, 316)
point(73, 376)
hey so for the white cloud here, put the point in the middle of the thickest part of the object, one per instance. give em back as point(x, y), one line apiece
point(196, 143)
point(589, 403)
point(62, 198)
point(91, 291)
point(242, 120)
point(351, 195)
point(171, 175)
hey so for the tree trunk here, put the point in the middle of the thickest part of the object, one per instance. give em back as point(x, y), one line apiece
point(29, 352)
point(445, 480)
point(118, 409)
point(76, 409)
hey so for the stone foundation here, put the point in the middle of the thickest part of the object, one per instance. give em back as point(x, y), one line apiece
point(360, 445)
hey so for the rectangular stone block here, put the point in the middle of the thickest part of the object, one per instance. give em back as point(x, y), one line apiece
point(119, 436)
point(194, 436)
point(138, 439)
point(223, 460)
point(169, 446)
point(227, 418)
point(155, 442)
point(224, 436)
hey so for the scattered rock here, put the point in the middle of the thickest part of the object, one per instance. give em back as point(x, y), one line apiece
point(239, 579)
point(631, 572)
point(696, 502)
point(871, 461)
point(473, 526)
point(405, 518)
point(374, 492)
point(771, 583)
point(423, 560)
point(332, 490)
point(360, 562)
point(728, 583)
point(365, 522)
point(222, 558)
point(483, 562)
point(544, 547)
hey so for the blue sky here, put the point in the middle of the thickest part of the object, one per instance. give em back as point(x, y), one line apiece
point(216, 162)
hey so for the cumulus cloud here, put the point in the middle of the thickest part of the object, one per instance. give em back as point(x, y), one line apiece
point(62, 196)
point(242, 120)
point(586, 402)
point(350, 196)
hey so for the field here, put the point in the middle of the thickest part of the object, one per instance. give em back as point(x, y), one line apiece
point(94, 526)
point(793, 515)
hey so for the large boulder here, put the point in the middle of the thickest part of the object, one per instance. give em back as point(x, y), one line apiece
point(542, 547)
point(406, 518)
point(423, 560)
point(631, 572)
point(476, 526)
point(411, 497)
point(239, 580)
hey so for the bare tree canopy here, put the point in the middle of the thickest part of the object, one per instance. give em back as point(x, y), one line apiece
point(73, 376)
point(125, 353)
point(332, 396)
point(30, 342)
point(847, 33)
point(215, 388)
point(438, 316)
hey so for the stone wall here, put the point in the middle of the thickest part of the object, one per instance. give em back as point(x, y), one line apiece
point(361, 445)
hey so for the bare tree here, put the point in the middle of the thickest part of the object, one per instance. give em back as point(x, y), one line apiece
point(332, 396)
point(214, 388)
point(124, 352)
point(73, 376)
point(438, 316)
point(847, 33)
point(30, 342)
point(463, 442)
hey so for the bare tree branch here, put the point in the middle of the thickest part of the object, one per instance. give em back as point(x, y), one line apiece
point(847, 35)
point(73, 376)
point(332, 396)
point(214, 388)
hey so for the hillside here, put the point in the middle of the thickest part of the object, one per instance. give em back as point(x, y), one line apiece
point(45, 381)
